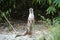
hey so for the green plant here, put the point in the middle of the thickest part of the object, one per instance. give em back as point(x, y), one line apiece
point(10, 25)
point(5, 10)
point(53, 6)
point(55, 32)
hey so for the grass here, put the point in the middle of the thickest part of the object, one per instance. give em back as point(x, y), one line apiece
point(54, 33)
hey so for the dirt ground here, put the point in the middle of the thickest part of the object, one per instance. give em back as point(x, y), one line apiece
point(19, 26)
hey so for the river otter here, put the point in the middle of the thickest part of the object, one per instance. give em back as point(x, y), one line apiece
point(30, 22)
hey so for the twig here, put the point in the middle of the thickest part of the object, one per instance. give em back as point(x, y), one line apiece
point(8, 22)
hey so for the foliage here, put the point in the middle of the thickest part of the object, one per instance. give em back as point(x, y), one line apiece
point(54, 33)
point(5, 10)
point(46, 6)
point(11, 26)
point(50, 2)
point(48, 21)
point(52, 8)
point(57, 3)
point(6, 6)
point(56, 20)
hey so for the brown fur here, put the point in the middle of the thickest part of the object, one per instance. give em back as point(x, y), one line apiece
point(29, 23)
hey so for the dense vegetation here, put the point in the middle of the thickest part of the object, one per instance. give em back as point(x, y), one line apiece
point(43, 9)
